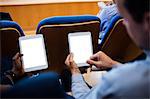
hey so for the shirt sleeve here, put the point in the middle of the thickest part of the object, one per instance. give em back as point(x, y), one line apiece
point(81, 91)
point(5, 80)
point(102, 14)
point(104, 19)
point(114, 85)
point(79, 87)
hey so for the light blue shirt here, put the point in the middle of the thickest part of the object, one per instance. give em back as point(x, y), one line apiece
point(105, 16)
point(127, 81)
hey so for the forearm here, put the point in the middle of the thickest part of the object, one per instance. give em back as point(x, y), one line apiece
point(79, 87)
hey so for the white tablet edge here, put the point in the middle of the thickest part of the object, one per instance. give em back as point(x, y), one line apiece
point(80, 33)
point(43, 44)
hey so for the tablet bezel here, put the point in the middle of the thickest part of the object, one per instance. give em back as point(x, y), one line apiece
point(43, 46)
point(80, 34)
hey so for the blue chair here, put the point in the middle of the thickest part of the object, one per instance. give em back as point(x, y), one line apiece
point(114, 21)
point(55, 31)
point(117, 44)
point(10, 32)
point(45, 85)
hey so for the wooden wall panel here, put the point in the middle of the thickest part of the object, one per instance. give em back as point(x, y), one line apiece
point(28, 16)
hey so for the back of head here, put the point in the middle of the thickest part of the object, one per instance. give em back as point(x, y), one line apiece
point(137, 20)
point(137, 8)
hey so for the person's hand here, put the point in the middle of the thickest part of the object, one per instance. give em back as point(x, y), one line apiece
point(17, 65)
point(72, 65)
point(100, 59)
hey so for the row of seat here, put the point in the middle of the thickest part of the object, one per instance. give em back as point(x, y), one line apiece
point(116, 43)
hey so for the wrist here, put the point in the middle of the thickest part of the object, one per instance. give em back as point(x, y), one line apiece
point(75, 71)
point(114, 63)
point(18, 73)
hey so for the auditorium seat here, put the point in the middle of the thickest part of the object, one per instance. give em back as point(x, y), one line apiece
point(55, 31)
point(117, 44)
point(9, 33)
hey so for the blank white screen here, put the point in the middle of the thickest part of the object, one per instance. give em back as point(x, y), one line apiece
point(81, 47)
point(33, 52)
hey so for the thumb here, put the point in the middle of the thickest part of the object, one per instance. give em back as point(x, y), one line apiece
point(92, 62)
point(71, 57)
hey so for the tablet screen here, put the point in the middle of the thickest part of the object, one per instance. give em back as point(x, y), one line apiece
point(33, 50)
point(80, 44)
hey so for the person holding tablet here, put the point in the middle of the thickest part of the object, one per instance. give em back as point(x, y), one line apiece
point(32, 58)
point(10, 77)
point(130, 80)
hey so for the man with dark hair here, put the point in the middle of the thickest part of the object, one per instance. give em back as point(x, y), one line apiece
point(127, 81)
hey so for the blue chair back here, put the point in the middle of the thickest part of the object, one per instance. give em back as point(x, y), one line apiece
point(114, 21)
point(9, 32)
point(55, 31)
point(116, 42)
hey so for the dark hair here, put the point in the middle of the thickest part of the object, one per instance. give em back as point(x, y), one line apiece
point(137, 8)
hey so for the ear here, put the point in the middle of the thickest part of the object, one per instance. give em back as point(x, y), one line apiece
point(147, 22)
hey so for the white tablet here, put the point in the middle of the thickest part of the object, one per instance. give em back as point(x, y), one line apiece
point(34, 54)
point(80, 44)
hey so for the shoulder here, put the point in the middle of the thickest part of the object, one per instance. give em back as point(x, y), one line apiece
point(129, 79)
point(133, 71)
point(131, 66)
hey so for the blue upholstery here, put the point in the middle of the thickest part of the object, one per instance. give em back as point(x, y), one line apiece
point(110, 27)
point(67, 20)
point(102, 24)
point(45, 85)
point(11, 24)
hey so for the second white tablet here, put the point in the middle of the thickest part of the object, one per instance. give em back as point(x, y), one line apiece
point(33, 50)
point(80, 44)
